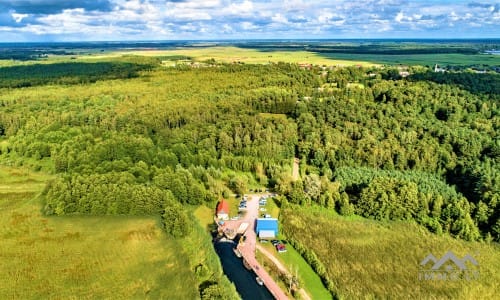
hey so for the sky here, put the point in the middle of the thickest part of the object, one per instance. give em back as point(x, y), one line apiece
point(120, 20)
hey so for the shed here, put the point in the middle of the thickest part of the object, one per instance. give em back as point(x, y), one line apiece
point(222, 210)
point(267, 228)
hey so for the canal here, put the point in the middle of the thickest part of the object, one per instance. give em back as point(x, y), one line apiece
point(243, 279)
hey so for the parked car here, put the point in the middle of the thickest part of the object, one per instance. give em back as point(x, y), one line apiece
point(281, 248)
point(275, 242)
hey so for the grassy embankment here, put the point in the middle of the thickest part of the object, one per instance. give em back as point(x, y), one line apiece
point(89, 257)
point(368, 259)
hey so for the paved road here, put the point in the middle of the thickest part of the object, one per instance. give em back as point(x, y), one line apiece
point(248, 249)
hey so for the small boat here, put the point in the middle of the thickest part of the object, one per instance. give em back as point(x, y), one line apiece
point(246, 264)
point(259, 280)
point(237, 252)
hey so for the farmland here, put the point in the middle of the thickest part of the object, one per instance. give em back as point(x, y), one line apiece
point(341, 53)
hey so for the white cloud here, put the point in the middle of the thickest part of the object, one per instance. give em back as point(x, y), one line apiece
point(279, 18)
point(18, 17)
point(259, 18)
point(399, 17)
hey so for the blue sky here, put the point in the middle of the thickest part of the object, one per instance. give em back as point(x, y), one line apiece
point(101, 20)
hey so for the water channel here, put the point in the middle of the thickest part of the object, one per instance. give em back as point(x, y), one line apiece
point(243, 279)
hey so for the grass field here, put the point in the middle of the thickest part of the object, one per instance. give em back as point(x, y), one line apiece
point(83, 257)
point(230, 54)
point(310, 280)
point(367, 259)
point(234, 54)
point(295, 263)
point(421, 59)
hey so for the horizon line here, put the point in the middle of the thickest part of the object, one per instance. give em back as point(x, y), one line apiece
point(260, 39)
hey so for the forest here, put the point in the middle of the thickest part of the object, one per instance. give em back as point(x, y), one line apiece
point(417, 148)
point(130, 136)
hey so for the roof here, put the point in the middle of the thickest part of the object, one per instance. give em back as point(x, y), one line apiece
point(266, 224)
point(267, 234)
point(223, 207)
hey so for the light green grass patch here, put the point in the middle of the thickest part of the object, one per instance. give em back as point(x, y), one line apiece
point(310, 280)
point(83, 257)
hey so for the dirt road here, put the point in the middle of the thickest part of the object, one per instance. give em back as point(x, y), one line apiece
point(295, 169)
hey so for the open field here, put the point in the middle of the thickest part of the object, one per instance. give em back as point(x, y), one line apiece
point(231, 54)
point(451, 59)
point(368, 259)
point(235, 54)
point(83, 257)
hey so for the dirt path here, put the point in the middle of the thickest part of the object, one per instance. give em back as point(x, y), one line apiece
point(282, 268)
point(295, 170)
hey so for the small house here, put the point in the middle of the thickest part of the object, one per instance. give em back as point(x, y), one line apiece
point(222, 210)
point(267, 228)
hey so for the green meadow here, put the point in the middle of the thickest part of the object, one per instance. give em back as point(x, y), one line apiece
point(84, 257)
point(231, 54)
point(369, 259)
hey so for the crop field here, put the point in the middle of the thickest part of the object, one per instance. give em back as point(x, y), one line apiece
point(368, 259)
point(82, 257)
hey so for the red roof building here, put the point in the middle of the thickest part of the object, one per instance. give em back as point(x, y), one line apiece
point(223, 210)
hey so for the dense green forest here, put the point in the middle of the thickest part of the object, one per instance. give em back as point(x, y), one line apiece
point(425, 148)
point(130, 136)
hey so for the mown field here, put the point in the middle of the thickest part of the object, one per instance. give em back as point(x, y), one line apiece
point(368, 259)
point(83, 257)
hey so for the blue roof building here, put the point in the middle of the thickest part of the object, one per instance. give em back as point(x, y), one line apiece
point(267, 228)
